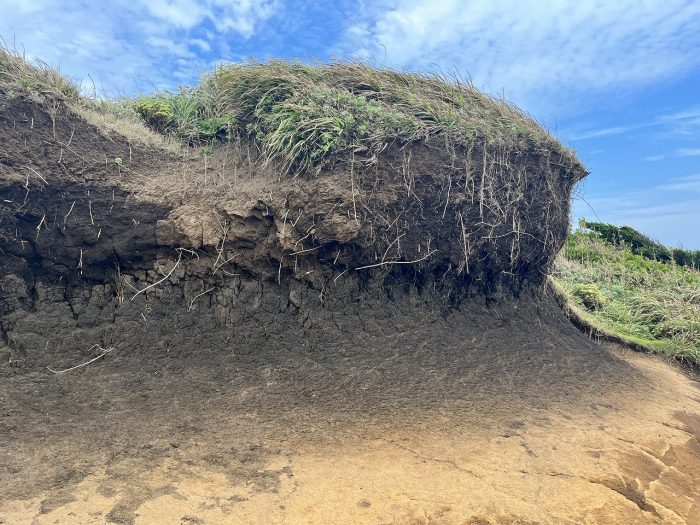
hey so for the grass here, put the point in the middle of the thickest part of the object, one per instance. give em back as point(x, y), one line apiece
point(650, 303)
point(44, 83)
point(17, 75)
point(304, 117)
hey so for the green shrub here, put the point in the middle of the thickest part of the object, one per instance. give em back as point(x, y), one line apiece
point(687, 258)
point(156, 112)
point(215, 127)
point(579, 248)
point(642, 245)
point(183, 114)
point(590, 296)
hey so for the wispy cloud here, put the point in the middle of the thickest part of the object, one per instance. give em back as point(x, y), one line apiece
point(605, 132)
point(680, 152)
point(241, 16)
point(534, 51)
point(667, 131)
point(684, 122)
point(688, 183)
point(116, 43)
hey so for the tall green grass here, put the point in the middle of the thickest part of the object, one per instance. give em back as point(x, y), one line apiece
point(305, 116)
point(654, 303)
point(45, 84)
point(18, 75)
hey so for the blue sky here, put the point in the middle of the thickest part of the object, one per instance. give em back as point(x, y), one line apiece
point(618, 81)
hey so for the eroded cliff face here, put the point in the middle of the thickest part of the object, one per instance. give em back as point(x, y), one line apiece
point(107, 242)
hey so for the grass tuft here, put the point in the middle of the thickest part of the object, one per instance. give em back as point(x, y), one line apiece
point(18, 75)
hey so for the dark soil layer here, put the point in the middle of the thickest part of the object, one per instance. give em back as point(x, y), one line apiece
point(101, 238)
point(240, 322)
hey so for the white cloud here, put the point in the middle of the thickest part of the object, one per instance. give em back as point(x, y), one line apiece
point(201, 44)
point(681, 123)
point(686, 114)
point(689, 183)
point(605, 132)
point(681, 152)
point(241, 16)
point(168, 46)
point(537, 52)
point(677, 128)
point(115, 44)
point(688, 152)
point(183, 14)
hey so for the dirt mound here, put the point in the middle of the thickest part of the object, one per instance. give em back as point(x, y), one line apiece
point(239, 318)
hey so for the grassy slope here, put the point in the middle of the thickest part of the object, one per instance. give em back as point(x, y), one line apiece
point(43, 83)
point(648, 303)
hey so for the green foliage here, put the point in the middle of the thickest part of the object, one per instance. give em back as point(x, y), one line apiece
point(642, 245)
point(214, 127)
point(184, 114)
point(156, 112)
point(303, 131)
point(648, 300)
point(686, 257)
point(578, 250)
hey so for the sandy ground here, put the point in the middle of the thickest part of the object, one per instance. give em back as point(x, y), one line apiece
point(625, 456)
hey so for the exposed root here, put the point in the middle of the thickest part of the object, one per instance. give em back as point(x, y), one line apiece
point(397, 262)
point(179, 258)
point(104, 352)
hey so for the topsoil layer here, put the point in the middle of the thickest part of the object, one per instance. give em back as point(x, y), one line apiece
point(173, 351)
